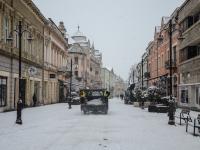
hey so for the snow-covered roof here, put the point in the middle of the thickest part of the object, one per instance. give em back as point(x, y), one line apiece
point(70, 40)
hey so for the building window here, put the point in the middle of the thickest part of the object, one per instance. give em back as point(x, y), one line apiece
point(76, 60)
point(198, 95)
point(76, 73)
point(189, 52)
point(196, 17)
point(192, 51)
point(189, 21)
point(16, 35)
point(162, 61)
point(174, 53)
point(184, 95)
point(3, 91)
point(149, 68)
point(159, 64)
point(6, 28)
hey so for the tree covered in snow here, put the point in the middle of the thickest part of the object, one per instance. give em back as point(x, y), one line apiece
point(138, 94)
point(154, 94)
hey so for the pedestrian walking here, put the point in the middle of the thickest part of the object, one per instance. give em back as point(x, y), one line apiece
point(121, 96)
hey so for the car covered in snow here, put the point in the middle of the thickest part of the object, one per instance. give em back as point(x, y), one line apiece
point(75, 100)
point(94, 100)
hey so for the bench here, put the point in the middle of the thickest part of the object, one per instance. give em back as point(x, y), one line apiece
point(195, 126)
point(185, 115)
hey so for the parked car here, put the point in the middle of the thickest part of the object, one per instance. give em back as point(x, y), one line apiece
point(75, 98)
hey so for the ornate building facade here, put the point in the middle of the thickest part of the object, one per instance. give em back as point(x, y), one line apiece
point(44, 49)
point(55, 62)
point(87, 62)
point(11, 12)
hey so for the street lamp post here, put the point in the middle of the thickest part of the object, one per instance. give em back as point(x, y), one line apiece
point(142, 74)
point(70, 82)
point(171, 102)
point(142, 83)
point(20, 102)
point(70, 86)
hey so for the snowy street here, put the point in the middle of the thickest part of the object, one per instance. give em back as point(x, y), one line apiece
point(55, 127)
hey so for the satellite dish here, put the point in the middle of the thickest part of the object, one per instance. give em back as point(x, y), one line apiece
point(32, 71)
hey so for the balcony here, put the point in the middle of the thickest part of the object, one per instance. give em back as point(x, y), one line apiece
point(189, 8)
point(62, 69)
point(191, 35)
point(167, 64)
point(5, 48)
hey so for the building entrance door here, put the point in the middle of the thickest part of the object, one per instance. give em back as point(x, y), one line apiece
point(36, 90)
point(23, 91)
point(61, 91)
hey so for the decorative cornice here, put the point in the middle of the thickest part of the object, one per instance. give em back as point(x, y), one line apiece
point(35, 9)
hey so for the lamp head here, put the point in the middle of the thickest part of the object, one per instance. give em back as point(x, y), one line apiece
point(30, 38)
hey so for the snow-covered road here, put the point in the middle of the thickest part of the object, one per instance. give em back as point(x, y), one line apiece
point(55, 127)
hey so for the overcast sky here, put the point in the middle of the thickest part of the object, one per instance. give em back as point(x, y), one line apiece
point(120, 29)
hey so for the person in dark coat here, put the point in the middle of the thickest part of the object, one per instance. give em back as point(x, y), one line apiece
point(34, 100)
point(122, 96)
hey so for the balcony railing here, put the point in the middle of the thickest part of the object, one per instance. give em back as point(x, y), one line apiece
point(167, 64)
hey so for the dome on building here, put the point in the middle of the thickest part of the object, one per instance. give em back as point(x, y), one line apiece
point(78, 33)
point(80, 38)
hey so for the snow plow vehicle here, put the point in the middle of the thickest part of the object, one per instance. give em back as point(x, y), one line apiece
point(94, 100)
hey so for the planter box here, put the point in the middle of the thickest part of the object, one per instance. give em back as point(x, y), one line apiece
point(158, 108)
point(162, 108)
point(152, 108)
point(136, 104)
